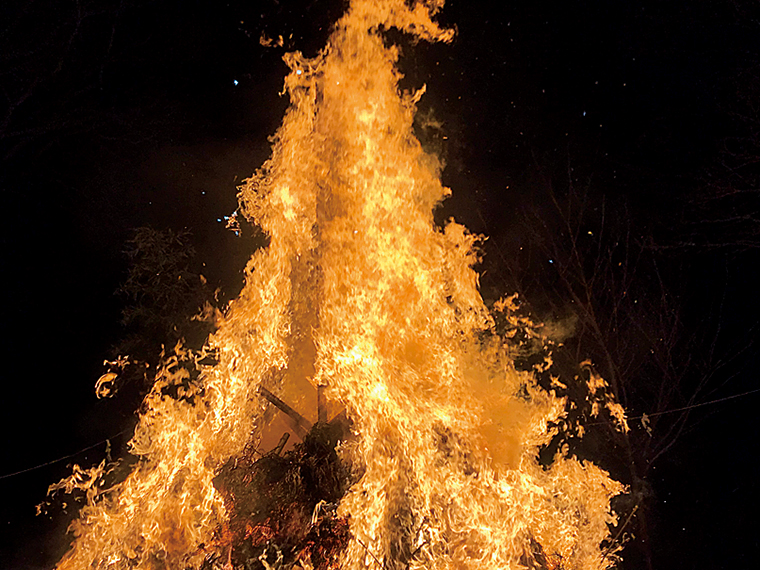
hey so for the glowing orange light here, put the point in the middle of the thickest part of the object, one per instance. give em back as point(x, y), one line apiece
point(360, 293)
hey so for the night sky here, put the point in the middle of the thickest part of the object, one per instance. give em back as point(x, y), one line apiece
point(122, 114)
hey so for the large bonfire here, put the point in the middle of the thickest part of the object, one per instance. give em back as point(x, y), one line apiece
point(425, 449)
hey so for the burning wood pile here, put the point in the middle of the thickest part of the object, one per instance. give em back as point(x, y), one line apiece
point(363, 302)
point(282, 507)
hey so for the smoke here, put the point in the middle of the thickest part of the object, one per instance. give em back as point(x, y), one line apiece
point(560, 329)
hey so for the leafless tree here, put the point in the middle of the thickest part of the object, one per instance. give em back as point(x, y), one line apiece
point(616, 305)
point(57, 60)
point(724, 213)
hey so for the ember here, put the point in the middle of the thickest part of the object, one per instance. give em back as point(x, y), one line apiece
point(282, 508)
point(361, 302)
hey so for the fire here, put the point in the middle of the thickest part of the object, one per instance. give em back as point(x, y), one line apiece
point(361, 296)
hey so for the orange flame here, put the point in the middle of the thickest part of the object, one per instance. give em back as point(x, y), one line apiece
point(359, 292)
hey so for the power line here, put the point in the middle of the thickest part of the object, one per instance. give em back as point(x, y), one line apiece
point(65, 457)
point(691, 407)
point(718, 401)
point(94, 445)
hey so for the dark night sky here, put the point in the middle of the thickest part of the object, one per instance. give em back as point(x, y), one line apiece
point(152, 112)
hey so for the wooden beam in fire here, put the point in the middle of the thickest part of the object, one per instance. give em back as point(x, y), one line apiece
point(299, 424)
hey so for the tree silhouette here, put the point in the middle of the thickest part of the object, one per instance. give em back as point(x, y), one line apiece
point(616, 309)
point(167, 304)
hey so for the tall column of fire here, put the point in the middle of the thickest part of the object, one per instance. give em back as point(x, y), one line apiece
point(359, 292)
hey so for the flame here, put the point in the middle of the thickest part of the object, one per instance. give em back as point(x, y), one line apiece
point(361, 294)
